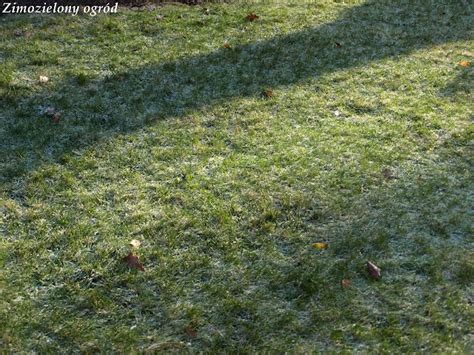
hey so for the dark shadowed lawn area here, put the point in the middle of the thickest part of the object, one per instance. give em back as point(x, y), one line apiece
point(228, 148)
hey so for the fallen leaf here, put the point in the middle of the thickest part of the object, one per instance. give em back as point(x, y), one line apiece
point(56, 117)
point(346, 283)
point(191, 332)
point(132, 262)
point(267, 93)
point(43, 79)
point(373, 270)
point(227, 45)
point(135, 243)
point(320, 246)
point(251, 17)
point(464, 63)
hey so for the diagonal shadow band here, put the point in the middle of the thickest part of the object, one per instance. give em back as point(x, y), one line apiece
point(375, 30)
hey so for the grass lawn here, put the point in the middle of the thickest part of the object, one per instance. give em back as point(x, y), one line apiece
point(363, 141)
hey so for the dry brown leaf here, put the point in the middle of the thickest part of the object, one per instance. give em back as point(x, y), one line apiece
point(267, 93)
point(51, 112)
point(251, 17)
point(346, 283)
point(135, 243)
point(373, 270)
point(227, 45)
point(320, 246)
point(132, 262)
point(191, 332)
point(464, 63)
point(56, 117)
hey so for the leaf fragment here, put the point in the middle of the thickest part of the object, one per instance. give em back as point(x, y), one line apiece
point(135, 243)
point(373, 270)
point(56, 117)
point(132, 262)
point(251, 17)
point(345, 283)
point(190, 331)
point(267, 93)
point(320, 245)
point(464, 63)
point(227, 45)
point(43, 79)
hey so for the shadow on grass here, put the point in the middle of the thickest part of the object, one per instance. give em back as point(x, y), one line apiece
point(127, 101)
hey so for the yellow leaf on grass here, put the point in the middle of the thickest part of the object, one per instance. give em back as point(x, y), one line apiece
point(346, 283)
point(464, 63)
point(267, 93)
point(135, 243)
point(320, 246)
point(43, 79)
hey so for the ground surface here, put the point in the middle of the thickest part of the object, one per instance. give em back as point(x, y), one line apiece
point(164, 136)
